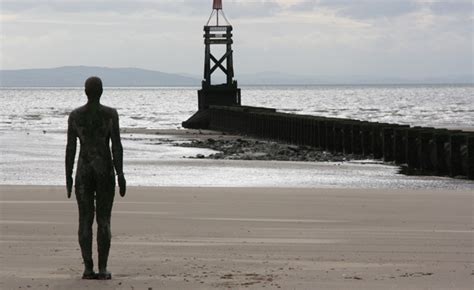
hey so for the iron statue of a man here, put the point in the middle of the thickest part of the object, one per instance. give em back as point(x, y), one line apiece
point(96, 126)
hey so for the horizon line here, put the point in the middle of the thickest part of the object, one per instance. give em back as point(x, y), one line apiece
point(253, 85)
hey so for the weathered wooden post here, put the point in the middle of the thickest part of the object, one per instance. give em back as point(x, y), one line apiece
point(308, 131)
point(356, 138)
point(239, 117)
point(470, 156)
point(252, 124)
point(440, 151)
point(316, 131)
point(265, 127)
point(322, 125)
point(243, 121)
point(424, 150)
point(455, 161)
point(292, 128)
point(387, 143)
point(279, 127)
point(346, 137)
point(285, 128)
point(298, 129)
point(261, 125)
point(377, 139)
point(271, 126)
point(399, 145)
point(302, 130)
point(388, 140)
point(366, 136)
point(338, 136)
point(330, 134)
point(259, 122)
point(411, 148)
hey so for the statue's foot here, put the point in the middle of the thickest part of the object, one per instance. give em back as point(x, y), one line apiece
point(89, 275)
point(104, 275)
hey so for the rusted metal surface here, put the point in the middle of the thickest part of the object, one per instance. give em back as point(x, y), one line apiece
point(217, 4)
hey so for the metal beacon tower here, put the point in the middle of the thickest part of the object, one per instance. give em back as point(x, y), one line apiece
point(217, 32)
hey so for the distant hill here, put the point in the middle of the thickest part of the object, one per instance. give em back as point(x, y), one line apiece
point(74, 76)
point(276, 78)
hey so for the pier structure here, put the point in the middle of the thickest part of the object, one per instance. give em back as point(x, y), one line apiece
point(418, 150)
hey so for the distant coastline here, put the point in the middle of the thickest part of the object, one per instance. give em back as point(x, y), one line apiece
point(262, 86)
point(73, 76)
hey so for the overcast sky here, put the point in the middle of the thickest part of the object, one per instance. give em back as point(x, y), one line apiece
point(400, 38)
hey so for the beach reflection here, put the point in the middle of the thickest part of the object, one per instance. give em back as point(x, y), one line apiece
point(152, 160)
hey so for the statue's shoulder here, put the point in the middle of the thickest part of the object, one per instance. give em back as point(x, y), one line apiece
point(77, 112)
point(109, 111)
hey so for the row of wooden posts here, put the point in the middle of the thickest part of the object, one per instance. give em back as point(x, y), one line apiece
point(420, 150)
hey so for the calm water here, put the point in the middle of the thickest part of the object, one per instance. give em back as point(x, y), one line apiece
point(30, 156)
point(159, 108)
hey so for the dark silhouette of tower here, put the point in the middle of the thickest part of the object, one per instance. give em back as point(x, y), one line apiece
point(217, 32)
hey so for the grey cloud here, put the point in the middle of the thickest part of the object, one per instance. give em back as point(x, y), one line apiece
point(117, 6)
point(252, 9)
point(364, 9)
point(306, 5)
point(372, 9)
point(237, 9)
point(361, 9)
point(452, 7)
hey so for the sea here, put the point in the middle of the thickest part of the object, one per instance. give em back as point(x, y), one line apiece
point(446, 106)
point(33, 126)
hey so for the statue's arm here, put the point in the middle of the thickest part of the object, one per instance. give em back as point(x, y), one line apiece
point(70, 153)
point(117, 149)
point(117, 153)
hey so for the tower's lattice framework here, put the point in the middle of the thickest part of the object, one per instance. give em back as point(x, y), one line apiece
point(218, 31)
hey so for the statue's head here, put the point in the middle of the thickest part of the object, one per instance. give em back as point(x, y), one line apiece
point(93, 88)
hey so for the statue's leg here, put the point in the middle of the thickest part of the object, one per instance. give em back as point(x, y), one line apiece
point(85, 202)
point(104, 201)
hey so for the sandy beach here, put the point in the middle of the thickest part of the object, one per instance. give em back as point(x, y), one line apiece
point(279, 145)
point(236, 238)
point(235, 224)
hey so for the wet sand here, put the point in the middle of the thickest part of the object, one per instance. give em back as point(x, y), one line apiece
point(152, 159)
point(238, 238)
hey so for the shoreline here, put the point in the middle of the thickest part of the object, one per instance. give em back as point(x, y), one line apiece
point(154, 160)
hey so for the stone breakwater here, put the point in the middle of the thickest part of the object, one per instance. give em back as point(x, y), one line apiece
point(418, 150)
point(250, 149)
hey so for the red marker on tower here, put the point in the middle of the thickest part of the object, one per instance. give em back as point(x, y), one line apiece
point(217, 5)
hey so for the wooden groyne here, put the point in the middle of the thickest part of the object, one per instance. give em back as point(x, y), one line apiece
point(419, 150)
